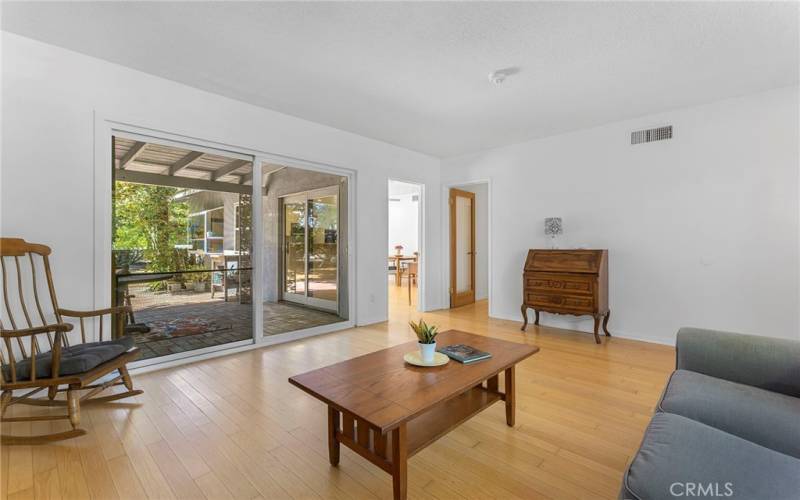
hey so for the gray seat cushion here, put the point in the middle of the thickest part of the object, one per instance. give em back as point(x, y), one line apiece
point(767, 418)
point(678, 452)
point(74, 359)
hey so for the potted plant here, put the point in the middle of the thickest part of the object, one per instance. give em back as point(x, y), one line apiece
point(426, 334)
point(398, 250)
point(197, 280)
point(204, 279)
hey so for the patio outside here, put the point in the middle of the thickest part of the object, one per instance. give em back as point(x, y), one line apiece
point(182, 246)
point(189, 320)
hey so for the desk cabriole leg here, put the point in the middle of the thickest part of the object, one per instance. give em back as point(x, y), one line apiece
point(605, 323)
point(596, 328)
point(524, 310)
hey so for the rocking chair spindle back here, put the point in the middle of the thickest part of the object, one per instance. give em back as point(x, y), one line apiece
point(26, 317)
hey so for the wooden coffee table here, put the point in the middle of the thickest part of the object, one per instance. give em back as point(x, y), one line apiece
point(386, 410)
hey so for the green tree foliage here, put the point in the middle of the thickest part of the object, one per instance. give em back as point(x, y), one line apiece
point(148, 217)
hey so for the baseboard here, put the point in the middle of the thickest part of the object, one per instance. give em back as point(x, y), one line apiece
point(614, 332)
point(371, 321)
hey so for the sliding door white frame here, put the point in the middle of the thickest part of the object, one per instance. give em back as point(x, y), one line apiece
point(105, 127)
point(282, 272)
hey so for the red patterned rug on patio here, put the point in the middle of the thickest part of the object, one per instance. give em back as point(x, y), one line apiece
point(180, 327)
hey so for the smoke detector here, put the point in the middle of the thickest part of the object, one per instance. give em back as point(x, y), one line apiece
point(499, 76)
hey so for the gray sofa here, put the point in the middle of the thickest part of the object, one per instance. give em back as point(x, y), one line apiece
point(727, 424)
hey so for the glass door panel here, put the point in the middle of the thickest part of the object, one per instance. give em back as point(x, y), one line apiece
point(463, 244)
point(174, 263)
point(462, 247)
point(294, 238)
point(323, 261)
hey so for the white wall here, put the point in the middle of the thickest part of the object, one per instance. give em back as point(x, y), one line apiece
point(403, 223)
point(701, 230)
point(49, 97)
point(481, 191)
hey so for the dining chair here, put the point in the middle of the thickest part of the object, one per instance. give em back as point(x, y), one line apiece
point(411, 272)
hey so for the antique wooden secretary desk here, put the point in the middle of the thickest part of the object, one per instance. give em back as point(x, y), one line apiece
point(567, 282)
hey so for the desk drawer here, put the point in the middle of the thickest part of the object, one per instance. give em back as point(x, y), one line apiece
point(560, 301)
point(558, 283)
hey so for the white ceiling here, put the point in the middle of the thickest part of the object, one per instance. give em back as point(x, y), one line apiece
point(415, 74)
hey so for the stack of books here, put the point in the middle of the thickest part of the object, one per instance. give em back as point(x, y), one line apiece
point(464, 353)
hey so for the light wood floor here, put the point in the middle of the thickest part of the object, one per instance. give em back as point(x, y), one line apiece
point(234, 427)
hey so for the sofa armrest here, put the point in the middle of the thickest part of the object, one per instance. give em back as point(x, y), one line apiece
point(764, 362)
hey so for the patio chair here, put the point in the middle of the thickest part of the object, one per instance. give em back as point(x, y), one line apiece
point(35, 324)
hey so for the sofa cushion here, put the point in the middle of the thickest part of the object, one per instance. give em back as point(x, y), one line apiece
point(767, 418)
point(680, 457)
point(75, 359)
point(764, 362)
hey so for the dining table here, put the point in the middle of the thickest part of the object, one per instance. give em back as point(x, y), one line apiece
point(396, 260)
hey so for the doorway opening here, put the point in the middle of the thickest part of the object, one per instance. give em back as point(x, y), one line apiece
point(468, 245)
point(404, 246)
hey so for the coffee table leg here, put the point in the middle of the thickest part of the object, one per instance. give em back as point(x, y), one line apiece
point(510, 397)
point(333, 442)
point(399, 463)
point(493, 383)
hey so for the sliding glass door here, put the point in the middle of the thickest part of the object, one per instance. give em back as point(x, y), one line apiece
point(311, 251)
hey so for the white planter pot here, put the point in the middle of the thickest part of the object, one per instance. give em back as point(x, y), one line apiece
point(174, 287)
point(427, 352)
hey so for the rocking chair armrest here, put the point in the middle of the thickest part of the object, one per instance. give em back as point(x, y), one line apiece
point(99, 312)
point(55, 327)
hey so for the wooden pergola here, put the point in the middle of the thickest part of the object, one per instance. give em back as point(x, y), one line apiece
point(150, 163)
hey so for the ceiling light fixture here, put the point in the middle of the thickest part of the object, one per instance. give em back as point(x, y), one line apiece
point(499, 76)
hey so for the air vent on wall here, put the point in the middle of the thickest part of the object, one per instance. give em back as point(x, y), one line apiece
point(650, 135)
point(414, 197)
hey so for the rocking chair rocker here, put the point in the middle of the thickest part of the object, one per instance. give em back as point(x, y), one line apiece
point(64, 367)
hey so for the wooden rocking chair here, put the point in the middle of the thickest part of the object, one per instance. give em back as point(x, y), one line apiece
point(25, 366)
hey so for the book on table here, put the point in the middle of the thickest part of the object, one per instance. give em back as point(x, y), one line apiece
point(464, 353)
